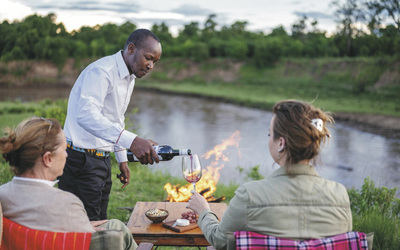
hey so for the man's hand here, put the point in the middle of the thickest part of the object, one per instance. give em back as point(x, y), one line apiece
point(125, 174)
point(144, 151)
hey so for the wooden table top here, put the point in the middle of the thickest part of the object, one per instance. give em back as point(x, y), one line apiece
point(144, 230)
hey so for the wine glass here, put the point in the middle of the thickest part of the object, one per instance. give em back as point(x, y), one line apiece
point(191, 169)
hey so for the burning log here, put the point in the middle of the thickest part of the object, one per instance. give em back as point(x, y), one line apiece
point(211, 198)
point(215, 200)
point(204, 191)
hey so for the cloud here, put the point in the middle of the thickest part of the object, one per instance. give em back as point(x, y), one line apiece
point(120, 7)
point(12, 11)
point(192, 10)
point(314, 15)
point(261, 15)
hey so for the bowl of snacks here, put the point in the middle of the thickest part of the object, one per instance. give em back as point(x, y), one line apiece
point(156, 215)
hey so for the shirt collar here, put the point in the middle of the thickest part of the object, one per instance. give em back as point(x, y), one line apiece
point(297, 169)
point(49, 183)
point(122, 68)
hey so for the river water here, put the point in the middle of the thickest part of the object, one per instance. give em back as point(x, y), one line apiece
point(201, 125)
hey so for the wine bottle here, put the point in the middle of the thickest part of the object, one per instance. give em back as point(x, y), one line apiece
point(164, 152)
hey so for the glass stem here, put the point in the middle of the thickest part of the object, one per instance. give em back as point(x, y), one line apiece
point(194, 187)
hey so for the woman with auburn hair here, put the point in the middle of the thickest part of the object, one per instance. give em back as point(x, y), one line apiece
point(36, 152)
point(294, 202)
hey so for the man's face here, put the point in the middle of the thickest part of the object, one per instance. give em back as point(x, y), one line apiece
point(141, 60)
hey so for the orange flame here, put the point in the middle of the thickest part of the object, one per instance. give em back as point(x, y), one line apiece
point(210, 175)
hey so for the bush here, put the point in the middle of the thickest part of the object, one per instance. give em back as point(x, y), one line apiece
point(57, 110)
point(269, 51)
point(377, 210)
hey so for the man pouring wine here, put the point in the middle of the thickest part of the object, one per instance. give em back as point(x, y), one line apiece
point(94, 125)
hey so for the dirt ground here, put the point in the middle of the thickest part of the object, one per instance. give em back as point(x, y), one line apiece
point(387, 126)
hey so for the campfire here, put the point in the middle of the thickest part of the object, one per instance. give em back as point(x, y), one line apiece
point(210, 176)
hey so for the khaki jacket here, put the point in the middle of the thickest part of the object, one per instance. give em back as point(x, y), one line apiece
point(41, 207)
point(297, 207)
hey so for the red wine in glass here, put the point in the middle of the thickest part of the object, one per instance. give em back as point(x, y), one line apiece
point(191, 169)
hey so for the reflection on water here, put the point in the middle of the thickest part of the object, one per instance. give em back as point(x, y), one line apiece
point(198, 124)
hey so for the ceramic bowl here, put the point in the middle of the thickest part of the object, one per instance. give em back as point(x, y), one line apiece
point(156, 215)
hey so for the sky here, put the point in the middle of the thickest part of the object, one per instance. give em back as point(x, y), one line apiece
point(260, 15)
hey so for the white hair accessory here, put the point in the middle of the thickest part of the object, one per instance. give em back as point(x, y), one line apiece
point(318, 123)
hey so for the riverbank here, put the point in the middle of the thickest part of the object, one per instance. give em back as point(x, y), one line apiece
point(387, 126)
point(362, 92)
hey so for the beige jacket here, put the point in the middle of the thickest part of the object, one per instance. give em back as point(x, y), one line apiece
point(39, 206)
point(300, 207)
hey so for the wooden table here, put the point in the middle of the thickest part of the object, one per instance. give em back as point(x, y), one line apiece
point(144, 230)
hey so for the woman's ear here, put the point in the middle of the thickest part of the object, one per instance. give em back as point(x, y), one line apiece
point(281, 144)
point(47, 159)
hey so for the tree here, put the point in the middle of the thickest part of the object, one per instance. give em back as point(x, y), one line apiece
point(190, 31)
point(348, 15)
point(299, 29)
point(238, 28)
point(167, 41)
point(279, 31)
point(209, 30)
point(268, 51)
point(162, 32)
point(124, 31)
point(382, 10)
point(236, 48)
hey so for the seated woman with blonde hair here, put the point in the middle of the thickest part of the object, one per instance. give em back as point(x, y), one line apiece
point(36, 151)
point(294, 202)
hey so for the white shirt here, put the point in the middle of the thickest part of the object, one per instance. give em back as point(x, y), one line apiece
point(50, 183)
point(97, 105)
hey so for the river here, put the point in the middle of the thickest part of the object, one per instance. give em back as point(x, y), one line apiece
point(201, 125)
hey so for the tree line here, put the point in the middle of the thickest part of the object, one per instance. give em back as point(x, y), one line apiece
point(361, 32)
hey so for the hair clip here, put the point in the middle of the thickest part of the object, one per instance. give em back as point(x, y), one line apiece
point(318, 123)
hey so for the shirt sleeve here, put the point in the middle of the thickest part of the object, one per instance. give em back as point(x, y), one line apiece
point(90, 106)
point(124, 141)
point(234, 219)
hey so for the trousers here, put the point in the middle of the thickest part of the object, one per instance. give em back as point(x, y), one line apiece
point(127, 240)
point(89, 178)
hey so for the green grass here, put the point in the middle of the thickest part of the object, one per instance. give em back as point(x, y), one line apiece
point(336, 85)
point(13, 120)
point(264, 98)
